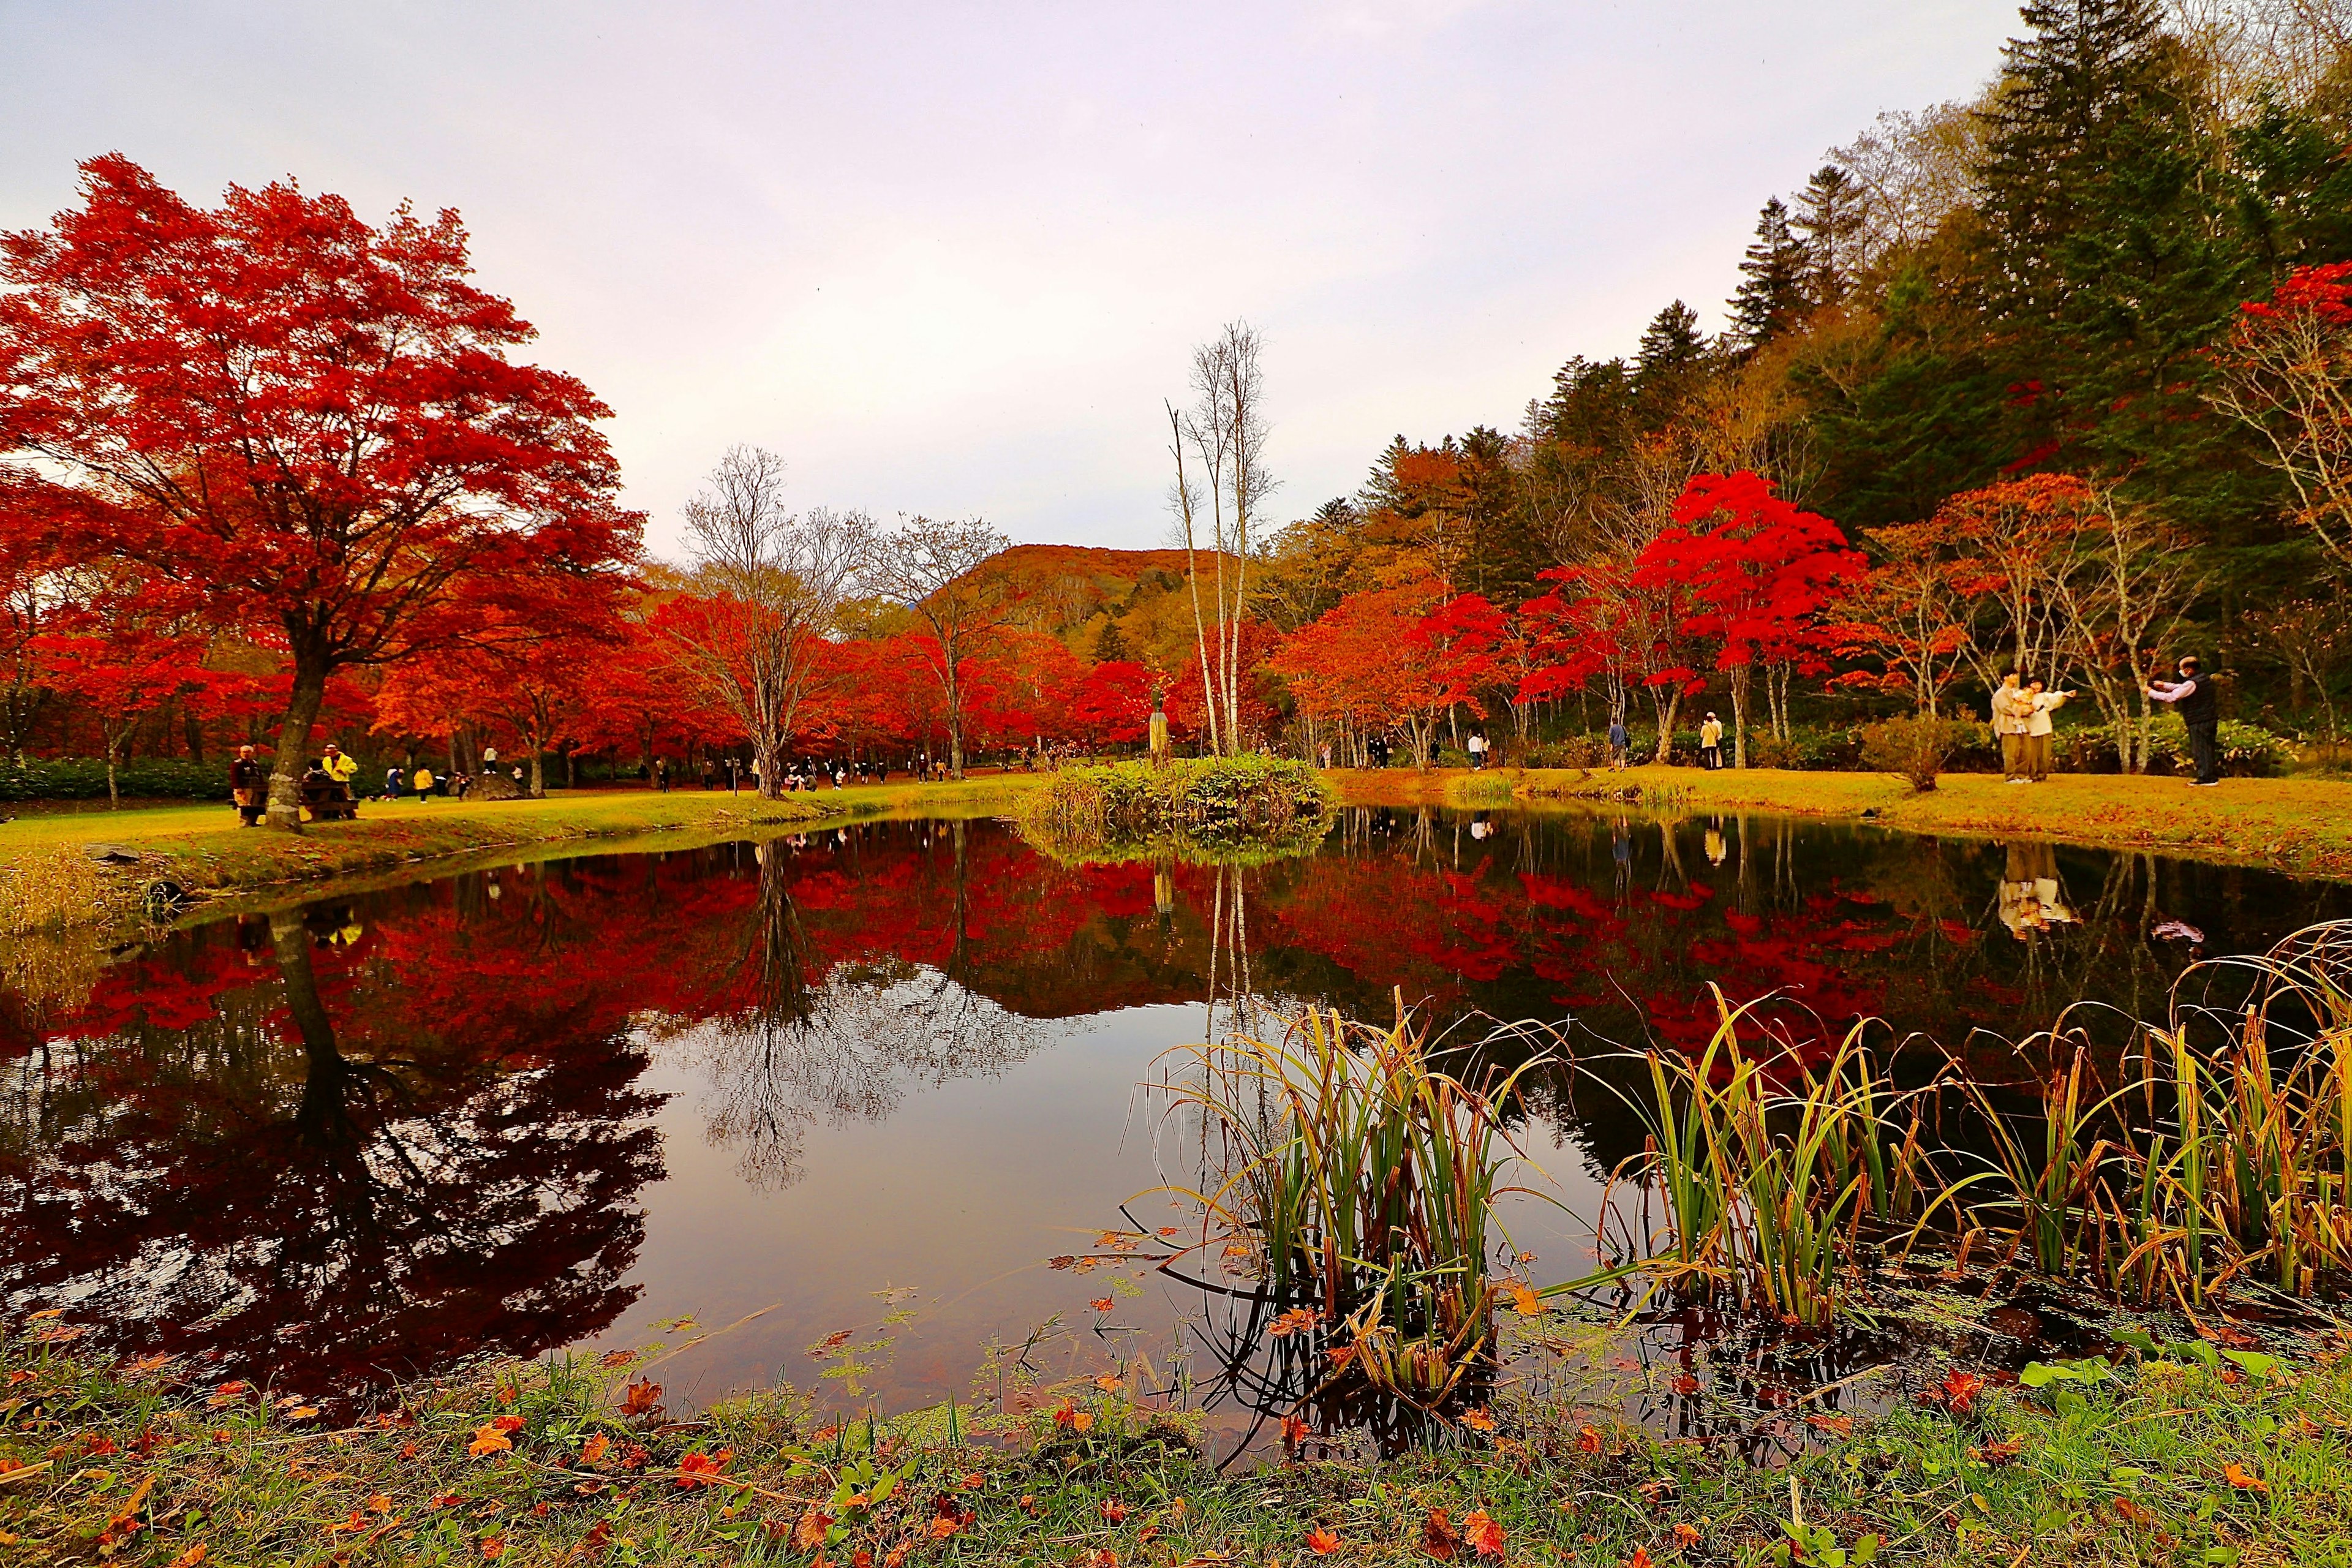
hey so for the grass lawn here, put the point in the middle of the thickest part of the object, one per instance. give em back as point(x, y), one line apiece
point(545, 1463)
point(48, 875)
point(2303, 825)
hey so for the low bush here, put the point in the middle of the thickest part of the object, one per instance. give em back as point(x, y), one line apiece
point(144, 778)
point(1916, 750)
point(2248, 750)
point(1252, 795)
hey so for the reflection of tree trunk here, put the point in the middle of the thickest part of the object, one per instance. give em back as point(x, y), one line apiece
point(323, 1122)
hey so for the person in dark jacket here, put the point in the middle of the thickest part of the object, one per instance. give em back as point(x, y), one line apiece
point(2197, 698)
point(249, 786)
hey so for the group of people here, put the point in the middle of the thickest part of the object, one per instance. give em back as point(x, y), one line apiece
point(325, 787)
point(2021, 718)
point(323, 790)
point(2021, 706)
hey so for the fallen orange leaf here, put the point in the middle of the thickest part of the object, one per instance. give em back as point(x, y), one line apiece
point(1484, 1535)
point(2238, 1477)
point(1322, 1542)
point(1477, 1421)
point(594, 1448)
point(1298, 1321)
point(490, 1440)
point(1103, 1303)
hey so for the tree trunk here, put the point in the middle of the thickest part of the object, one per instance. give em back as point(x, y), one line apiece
point(1740, 678)
point(302, 704)
point(114, 796)
point(955, 720)
point(768, 756)
point(193, 724)
point(537, 773)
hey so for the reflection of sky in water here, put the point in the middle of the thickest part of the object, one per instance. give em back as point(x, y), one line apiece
point(591, 1096)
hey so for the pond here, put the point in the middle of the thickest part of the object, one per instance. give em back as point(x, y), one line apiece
point(823, 1110)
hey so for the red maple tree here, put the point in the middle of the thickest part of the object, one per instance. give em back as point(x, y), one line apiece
point(299, 424)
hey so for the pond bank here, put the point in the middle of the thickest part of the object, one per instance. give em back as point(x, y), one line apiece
point(2302, 825)
point(542, 1462)
point(52, 874)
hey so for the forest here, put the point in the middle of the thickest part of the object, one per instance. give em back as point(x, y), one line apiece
point(2058, 379)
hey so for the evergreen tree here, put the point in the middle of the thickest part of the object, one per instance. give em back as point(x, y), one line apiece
point(2112, 260)
point(1672, 351)
point(1381, 491)
point(1772, 298)
point(1829, 219)
point(1110, 645)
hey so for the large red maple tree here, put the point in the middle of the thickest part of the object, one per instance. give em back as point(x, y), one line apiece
point(301, 424)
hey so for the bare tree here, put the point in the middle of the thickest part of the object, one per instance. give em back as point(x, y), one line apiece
point(2129, 584)
point(931, 566)
point(1226, 429)
point(768, 583)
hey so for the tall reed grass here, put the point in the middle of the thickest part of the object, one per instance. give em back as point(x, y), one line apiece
point(1366, 1179)
point(2216, 1150)
point(1770, 1177)
point(2212, 1154)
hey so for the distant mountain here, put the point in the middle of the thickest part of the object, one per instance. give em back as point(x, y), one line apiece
point(1063, 586)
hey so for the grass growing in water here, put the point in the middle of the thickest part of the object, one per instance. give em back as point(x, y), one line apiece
point(2223, 1155)
point(1765, 1191)
point(1366, 1177)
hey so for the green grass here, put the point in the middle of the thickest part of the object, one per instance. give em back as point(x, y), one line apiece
point(2165, 1462)
point(2300, 825)
point(202, 848)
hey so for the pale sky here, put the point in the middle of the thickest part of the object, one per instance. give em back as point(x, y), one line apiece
point(950, 258)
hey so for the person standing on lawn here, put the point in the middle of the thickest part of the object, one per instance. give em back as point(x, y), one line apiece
point(1710, 743)
point(423, 782)
point(249, 786)
point(2036, 707)
point(1621, 744)
point(2011, 712)
point(2197, 698)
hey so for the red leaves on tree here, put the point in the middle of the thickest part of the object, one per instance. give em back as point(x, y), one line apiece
point(303, 424)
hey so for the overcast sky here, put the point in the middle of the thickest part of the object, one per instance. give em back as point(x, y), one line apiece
point(948, 259)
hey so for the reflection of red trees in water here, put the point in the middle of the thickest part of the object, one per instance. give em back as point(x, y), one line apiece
point(392, 1133)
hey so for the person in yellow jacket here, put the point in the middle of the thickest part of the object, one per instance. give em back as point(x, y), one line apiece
point(338, 767)
point(423, 781)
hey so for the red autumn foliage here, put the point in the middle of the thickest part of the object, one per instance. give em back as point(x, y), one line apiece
point(298, 423)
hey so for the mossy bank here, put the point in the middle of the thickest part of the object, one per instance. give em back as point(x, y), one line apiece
point(1124, 807)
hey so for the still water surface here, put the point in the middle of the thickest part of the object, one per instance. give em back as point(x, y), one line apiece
point(798, 1088)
